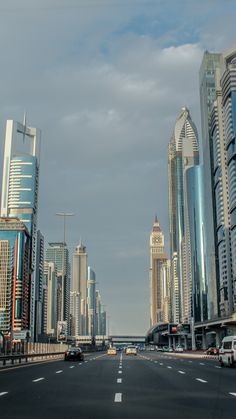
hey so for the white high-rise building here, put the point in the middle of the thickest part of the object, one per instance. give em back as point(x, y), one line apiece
point(80, 285)
point(20, 183)
point(183, 154)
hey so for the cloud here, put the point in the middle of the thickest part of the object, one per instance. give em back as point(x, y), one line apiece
point(105, 82)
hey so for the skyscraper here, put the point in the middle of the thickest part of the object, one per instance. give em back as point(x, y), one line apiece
point(158, 279)
point(210, 63)
point(58, 254)
point(91, 302)
point(50, 299)
point(224, 130)
point(20, 184)
point(79, 285)
point(14, 275)
point(39, 272)
point(183, 154)
point(194, 189)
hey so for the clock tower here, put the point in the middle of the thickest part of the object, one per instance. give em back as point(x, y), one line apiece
point(159, 274)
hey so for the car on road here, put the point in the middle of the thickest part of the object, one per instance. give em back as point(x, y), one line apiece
point(131, 350)
point(212, 351)
point(111, 351)
point(74, 354)
point(227, 351)
point(179, 348)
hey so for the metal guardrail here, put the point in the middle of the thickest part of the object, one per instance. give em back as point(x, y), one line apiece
point(26, 357)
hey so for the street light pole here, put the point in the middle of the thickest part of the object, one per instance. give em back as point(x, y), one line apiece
point(64, 215)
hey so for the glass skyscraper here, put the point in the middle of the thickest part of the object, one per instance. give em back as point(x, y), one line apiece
point(183, 154)
point(194, 183)
point(14, 275)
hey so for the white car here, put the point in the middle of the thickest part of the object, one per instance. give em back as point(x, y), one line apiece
point(112, 351)
point(227, 352)
point(131, 350)
point(179, 348)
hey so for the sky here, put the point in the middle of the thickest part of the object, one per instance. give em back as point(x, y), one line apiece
point(105, 81)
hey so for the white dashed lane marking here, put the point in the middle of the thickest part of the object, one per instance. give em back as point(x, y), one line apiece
point(169, 367)
point(3, 393)
point(38, 379)
point(201, 380)
point(201, 363)
point(59, 372)
point(72, 366)
point(118, 398)
point(119, 372)
point(119, 380)
point(233, 394)
point(181, 372)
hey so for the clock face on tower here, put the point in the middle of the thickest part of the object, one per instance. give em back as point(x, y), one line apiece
point(157, 239)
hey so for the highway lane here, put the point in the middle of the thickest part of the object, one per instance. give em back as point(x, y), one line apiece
point(149, 385)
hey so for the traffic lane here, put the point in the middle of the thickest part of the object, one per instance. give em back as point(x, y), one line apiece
point(221, 382)
point(221, 378)
point(176, 395)
point(12, 378)
point(84, 392)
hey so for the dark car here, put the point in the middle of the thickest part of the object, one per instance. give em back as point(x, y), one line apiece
point(212, 351)
point(74, 354)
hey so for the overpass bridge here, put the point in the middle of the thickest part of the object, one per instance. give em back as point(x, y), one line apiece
point(116, 339)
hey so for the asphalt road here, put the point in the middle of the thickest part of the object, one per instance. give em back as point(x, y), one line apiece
point(148, 386)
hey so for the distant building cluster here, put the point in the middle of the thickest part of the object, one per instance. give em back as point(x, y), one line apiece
point(39, 301)
point(197, 283)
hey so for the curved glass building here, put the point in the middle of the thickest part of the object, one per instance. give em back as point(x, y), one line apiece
point(194, 183)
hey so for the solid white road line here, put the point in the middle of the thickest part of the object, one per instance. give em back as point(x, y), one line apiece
point(232, 394)
point(3, 393)
point(118, 398)
point(59, 372)
point(72, 366)
point(181, 372)
point(38, 379)
point(119, 380)
point(201, 380)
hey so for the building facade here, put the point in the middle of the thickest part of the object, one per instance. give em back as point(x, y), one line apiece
point(80, 286)
point(58, 253)
point(183, 154)
point(14, 276)
point(157, 274)
point(194, 184)
point(50, 299)
point(39, 273)
point(91, 302)
point(20, 184)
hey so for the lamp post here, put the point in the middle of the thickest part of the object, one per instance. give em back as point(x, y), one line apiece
point(64, 215)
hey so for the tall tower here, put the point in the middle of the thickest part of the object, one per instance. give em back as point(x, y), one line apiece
point(183, 154)
point(80, 283)
point(210, 63)
point(55, 253)
point(14, 275)
point(91, 302)
point(158, 259)
point(226, 102)
point(20, 185)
